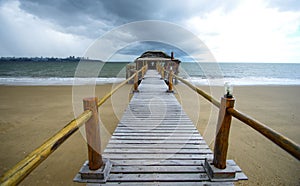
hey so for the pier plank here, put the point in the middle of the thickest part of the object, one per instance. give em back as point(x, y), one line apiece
point(156, 143)
point(157, 146)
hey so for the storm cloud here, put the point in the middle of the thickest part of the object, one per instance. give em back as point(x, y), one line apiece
point(231, 29)
point(91, 17)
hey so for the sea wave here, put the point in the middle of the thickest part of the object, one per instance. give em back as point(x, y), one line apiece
point(56, 81)
point(247, 81)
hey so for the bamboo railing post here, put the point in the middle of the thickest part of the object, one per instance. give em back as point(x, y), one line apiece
point(222, 133)
point(143, 71)
point(93, 134)
point(136, 82)
point(162, 73)
point(170, 81)
point(159, 69)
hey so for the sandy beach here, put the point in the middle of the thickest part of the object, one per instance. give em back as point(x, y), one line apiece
point(30, 115)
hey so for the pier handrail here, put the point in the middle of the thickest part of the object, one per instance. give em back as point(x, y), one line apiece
point(17, 173)
point(199, 91)
point(282, 141)
point(24, 167)
point(101, 101)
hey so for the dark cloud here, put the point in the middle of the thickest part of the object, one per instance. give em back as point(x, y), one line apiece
point(78, 20)
point(135, 38)
point(137, 48)
point(92, 18)
point(140, 47)
point(86, 18)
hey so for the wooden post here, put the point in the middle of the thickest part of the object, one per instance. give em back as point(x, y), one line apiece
point(127, 71)
point(136, 81)
point(170, 81)
point(93, 134)
point(143, 72)
point(162, 73)
point(222, 133)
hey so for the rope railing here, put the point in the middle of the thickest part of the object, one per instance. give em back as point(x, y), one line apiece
point(285, 143)
point(23, 168)
point(226, 110)
point(100, 102)
point(199, 91)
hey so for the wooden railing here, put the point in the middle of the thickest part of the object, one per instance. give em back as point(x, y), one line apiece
point(22, 169)
point(226, 111)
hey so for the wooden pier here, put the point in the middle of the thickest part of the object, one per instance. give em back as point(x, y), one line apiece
point(156, 143)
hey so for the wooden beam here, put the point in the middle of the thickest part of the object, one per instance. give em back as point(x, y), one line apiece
point(162, 73)
point(199, 91)
point(170, 81)
point(22, 169)
point(222, 133)
point(93, 134)
point(285, 143)
point(136, 82)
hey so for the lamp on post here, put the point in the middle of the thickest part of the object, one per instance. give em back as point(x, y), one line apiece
point(228, 90)
point(219, 168)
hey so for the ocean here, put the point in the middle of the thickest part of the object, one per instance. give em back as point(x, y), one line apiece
point(63, 73)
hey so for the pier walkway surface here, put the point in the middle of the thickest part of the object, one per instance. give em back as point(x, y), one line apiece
point(156, 143)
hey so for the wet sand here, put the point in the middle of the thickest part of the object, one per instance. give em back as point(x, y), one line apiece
point(30, 115)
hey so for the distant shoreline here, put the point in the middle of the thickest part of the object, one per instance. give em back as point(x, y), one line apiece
point(46, 59)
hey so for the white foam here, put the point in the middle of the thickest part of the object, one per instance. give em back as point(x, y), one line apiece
point(244, 81)
point(54, 81)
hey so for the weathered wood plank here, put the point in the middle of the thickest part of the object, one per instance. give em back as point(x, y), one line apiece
point(135, 131)
point(157, 169)
point(154, 131)
point(140, 122)
point(142, 137)
point(156, 126)
point(189, 183)
point(157, 146)
point(123, 141)
point(152, 162)
point(158, 177)
point(158, 151)
point(168, 133)
point(157, 156)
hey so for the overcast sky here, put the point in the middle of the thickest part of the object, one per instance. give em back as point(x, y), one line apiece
point(233, 30)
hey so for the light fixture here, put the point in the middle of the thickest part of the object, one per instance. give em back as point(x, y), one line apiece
point(228, 90)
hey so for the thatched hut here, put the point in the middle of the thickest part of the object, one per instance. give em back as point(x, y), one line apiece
point(153, 57)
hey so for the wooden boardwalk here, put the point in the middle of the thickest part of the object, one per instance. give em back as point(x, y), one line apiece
point(156, 143)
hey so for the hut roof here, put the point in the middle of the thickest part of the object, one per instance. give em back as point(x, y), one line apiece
point(155, 54)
